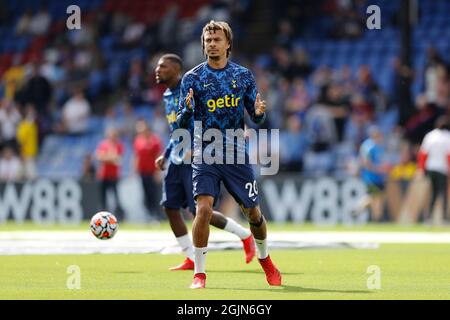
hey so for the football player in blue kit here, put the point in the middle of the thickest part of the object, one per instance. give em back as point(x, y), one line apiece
point(215, 93)
point(177, 183)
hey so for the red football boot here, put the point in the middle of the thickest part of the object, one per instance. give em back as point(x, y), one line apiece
point(273, 276)
point(187, 264)
point(199, 281)
point(249, 248)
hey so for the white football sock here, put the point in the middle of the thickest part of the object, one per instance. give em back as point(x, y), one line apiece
point(200, 259)
point(235, 228)
point(186, 246)
point(262, 248)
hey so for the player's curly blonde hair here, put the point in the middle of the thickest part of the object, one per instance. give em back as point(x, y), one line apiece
point(212, 26)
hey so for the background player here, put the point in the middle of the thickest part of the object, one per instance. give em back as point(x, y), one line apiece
point(216, 93)
point(109, 154)
point(177, 185)
point(434, 160)
point(374, 172)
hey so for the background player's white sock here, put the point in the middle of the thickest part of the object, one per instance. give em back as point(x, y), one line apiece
point(235, 228)
point(186, 246)
point(200, 259)
point(262, 248)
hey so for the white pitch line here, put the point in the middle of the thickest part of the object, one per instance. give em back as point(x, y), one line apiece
point(79, 242)
point(307, 236)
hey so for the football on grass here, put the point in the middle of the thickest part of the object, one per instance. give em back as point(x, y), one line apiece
point(104, 225)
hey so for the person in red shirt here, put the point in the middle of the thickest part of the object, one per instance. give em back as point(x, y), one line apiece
point(147, 147)
point(109, 154)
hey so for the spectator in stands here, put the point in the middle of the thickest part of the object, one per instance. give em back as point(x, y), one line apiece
point(338, 106)
point(285, 36)
point(293, 145)
point(282, 62)
point(422, 121)
point(109, 154)
point(75, 114)
point(118, 22)
point(136, 82)
point(88, 168)
point(298, 100)
point(10, 166)
point(167, 26)
point(192, 53)
point(434, 160)
point(128, 120)
point(27, 137)
point(321, 133)
point(75, 77)
point(442, 88)
point(275, 97)
point(348, 23)
point(52, 69)
point(13, 78)
point(83, 60)
point(38, 91)
point(433, 64)
point(356, 128)
point(40, 22)
point(132, 34)
point(147, 147)
point(366, 85)
point(23, 23)
point(322, 77)
point(403, 77)
point(9, 119)
point(85, 36)
point(111, 120)
point(344, 77)
point(300, 65)
point(158, 123)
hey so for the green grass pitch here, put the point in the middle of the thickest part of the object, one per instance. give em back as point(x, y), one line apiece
point(407, 271)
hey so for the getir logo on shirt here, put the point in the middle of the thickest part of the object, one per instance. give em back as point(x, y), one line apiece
point(172, 117)
point(226, 101)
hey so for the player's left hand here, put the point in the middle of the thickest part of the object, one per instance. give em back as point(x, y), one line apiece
point(260, 105)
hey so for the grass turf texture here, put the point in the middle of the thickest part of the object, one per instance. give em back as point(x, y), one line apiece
point(409, 271)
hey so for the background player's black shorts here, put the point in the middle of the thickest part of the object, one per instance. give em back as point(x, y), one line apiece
point(375, 188)
point(177, 187)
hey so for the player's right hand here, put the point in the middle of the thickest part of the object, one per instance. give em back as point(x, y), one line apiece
point(160, 162)
point(189, 100)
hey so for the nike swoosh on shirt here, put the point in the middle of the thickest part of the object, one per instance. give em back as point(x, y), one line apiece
point(205, 85)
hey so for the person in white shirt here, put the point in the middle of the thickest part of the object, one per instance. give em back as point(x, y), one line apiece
point(9, 120)
point(75, 114)
point(434, 160)
point(40, 22)
point(10, 166)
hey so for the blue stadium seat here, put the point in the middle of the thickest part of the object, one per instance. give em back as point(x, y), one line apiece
point(144, 111)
